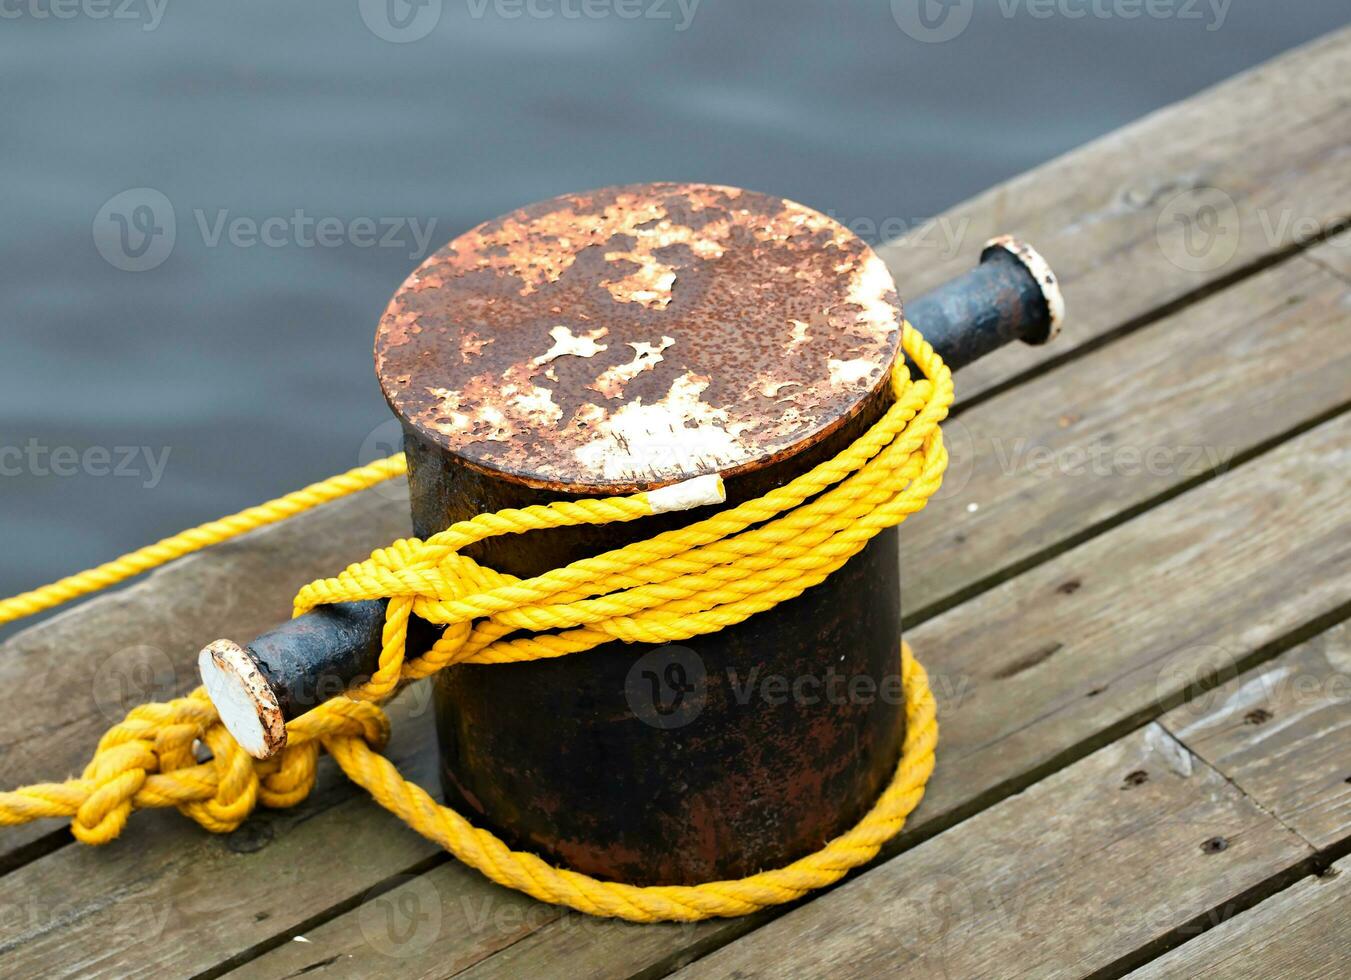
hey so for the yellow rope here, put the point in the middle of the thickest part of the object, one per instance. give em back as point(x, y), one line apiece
point(674, 586)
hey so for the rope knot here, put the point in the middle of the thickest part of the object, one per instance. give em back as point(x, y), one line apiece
point(153, 738)
point(678, 584)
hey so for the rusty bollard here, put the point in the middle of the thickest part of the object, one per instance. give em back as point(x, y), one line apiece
point(623, 340)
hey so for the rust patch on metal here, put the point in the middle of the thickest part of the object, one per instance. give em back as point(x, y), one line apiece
point(629, 337)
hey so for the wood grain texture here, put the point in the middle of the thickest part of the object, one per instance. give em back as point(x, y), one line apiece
point(1058, 455)
point(1043, 666)
point(447, 920)
point(1301, 932)
point(1140, 614)
point(1099, 859)
point(64, 681)
point(357, 866)
point(1267, 150)
point(1050, 663)
point(1334, 255)
point(1282, 734)
point(169, 899)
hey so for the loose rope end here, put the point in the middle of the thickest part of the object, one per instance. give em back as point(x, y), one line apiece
point(244, 699)
point(698, 492)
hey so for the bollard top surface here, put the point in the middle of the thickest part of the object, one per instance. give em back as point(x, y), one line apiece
point(630, 337)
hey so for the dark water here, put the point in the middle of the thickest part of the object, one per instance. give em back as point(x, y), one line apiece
point(234, 370)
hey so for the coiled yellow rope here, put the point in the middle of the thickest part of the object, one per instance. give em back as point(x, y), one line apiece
point(674, 586)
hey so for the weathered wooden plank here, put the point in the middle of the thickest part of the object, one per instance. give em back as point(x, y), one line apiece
point(1094, 862)
point(1111, 217)
point(255, 593)
point(1092, 642)
point(67, 679)
point(440, 923)
point(170, 899)
point(1045, 462)
point(1301, 932)
point(339, 881)
point(1282, 734)
point(1137, 615)
point(1334, 254)
point(1001, 452)
point(64, 681)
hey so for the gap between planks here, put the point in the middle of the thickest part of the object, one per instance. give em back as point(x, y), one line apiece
point(1232, 307)
point(308, 922)
point(265, 619)
point(1248, 733)
point(654, 950)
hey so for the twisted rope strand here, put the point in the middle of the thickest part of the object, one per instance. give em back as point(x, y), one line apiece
point(195, 539)
point(673, 586)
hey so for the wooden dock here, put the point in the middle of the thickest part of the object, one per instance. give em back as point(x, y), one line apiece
point(1130, 596)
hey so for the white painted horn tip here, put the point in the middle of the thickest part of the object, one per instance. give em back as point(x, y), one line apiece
point(698, 492)
point(1041, 271)
point(243, 698)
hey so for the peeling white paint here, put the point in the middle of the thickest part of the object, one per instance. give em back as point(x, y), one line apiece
point(567, 343)
point(637, 440)
point(870, 287)
point(449, 409)
point(1250, 693)
point(852, 371)
point(1175, 755)
point(612, 380)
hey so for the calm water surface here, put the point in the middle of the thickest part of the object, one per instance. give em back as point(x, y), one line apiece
point(239, 366)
